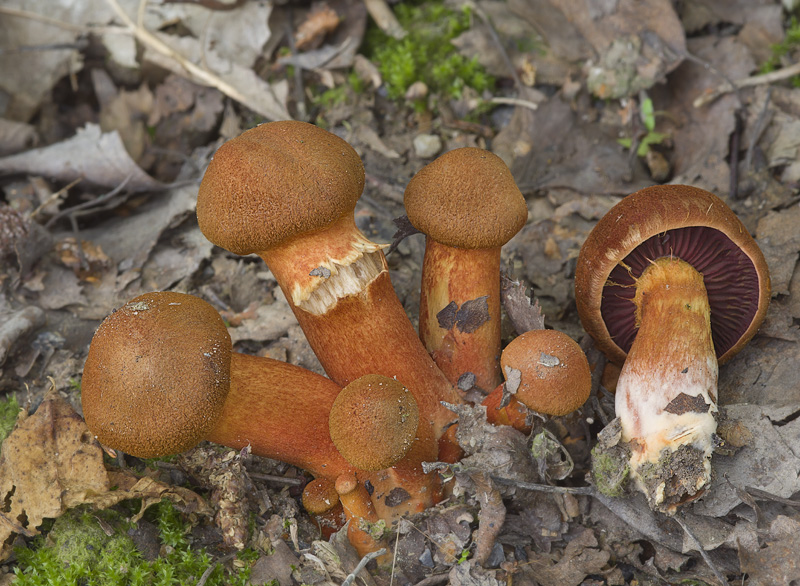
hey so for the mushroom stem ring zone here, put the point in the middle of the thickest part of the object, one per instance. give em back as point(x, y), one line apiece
point(670, 284)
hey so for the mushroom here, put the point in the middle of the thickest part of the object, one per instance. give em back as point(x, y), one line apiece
point(375, 425)
point(553, 373)
point(321, 501)
point(671, 283)
point(287, 191)
point(161, 376)
point(360, 513)
point(468, 206)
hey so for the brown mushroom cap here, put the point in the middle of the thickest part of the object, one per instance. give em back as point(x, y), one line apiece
point(555, 376)
point(467, 198)
point(276, 181)
point(320, 496)
point(373, 422)
point(136, 395)
point(678, 221)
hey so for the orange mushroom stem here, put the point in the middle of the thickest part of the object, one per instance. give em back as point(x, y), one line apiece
point(363, 530)
point(670, 284)
point(468, 206)
point(161, 376)
point(549, 373)
point(287, 192)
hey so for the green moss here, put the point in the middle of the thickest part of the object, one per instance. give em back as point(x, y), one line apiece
point(79, 550)
point(610, 470)
point(790, 43)
point(9, 410)
point(426, 53)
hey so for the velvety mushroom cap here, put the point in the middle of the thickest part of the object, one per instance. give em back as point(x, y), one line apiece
point(467, 198)
point(373, 422)
point(276, 181)
point(320, 496)
point(157, 375)
point(671, 221)
point(555, 377)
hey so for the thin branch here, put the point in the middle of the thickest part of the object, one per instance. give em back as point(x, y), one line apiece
point(362, 564)
point(515, 102)
point(195, 72)
point(732, 86)
point(585, 490)
point(699, 547)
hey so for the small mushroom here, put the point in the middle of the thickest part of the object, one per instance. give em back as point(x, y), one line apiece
point(468, 206)
point(161, 376)
point(321, 501)
point(287, 191)
point(671, 283)
point(375, 425)
point(554, 378)
point(360, 514)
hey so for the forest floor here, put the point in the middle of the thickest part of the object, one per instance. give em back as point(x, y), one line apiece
point(112, 110)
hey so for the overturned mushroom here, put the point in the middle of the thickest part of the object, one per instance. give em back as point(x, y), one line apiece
point(670, 282)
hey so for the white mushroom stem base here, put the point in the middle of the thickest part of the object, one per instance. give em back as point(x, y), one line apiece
point(666, 397)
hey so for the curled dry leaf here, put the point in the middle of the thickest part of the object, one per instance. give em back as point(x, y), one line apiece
point(50, 463)
point(100, 158)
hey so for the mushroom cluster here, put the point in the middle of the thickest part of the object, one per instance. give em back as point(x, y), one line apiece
point(161, 374)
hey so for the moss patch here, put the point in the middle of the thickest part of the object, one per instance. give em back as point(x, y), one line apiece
point(9, 410)
point(93, 548)
point(426, 53)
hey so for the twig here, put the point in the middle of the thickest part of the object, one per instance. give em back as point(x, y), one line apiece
point(207, 574)
point(87, 204)
point(732, 86)
point(498, 43)
point(586, 490)
point(515, 102)
point(196, 73)
point(275, 478)
point(763, 495)
point(385, 18)
point(362, 564)
point(55, 196)
point(764, 118)
point(711, 67)
point(703, 553)
point(434, 580)
point(733, 164)
point(299, 93)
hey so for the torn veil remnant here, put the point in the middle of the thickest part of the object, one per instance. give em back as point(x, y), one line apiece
point(670, 282)
point(287, 192)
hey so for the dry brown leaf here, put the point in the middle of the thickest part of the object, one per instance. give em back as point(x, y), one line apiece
point(151, 491)
point(581, 558)
point(51, 462)
point(777, 562)
point(48, 463)
point(524, 312)
point(321, 20)
point(86, 259)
